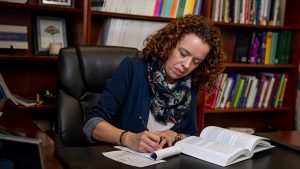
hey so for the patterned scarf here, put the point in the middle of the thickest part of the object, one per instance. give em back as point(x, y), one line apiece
point(168, 104)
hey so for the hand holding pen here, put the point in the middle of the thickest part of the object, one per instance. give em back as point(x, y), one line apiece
point(163, 140)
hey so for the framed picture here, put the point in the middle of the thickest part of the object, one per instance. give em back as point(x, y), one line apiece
point(49, 30)
point(66, 3)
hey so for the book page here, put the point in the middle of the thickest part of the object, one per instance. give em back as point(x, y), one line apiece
point(132, 159)
point(235, 138)
point(212, 151)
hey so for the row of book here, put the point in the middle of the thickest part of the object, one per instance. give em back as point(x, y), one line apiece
point(161, 8)
point(6, 94)
point(258, 12)
point(128, 33)
point(266, 47)
point(248, 91)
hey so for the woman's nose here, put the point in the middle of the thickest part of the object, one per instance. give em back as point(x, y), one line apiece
point(187, 63)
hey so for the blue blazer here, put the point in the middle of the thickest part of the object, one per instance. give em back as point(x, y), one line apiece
point(127, 96)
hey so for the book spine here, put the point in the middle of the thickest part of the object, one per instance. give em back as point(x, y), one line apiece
point(174, 8)
point(268, 47)
point(181, 8)
point(281, 98)
point(239, 91)
point(157, 8)
point(278, 93)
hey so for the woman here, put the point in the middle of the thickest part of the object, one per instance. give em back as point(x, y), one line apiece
point(151, 101)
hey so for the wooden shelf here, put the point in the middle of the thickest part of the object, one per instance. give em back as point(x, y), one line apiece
point(37, 7)
point(247, 26)
point(29, 58)
point(246, 110)
point(165, 19)
point(129, 16)
point(253, 66)
point(39, 107)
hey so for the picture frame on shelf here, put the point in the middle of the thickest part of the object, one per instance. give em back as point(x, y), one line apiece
point(49, 31)
point(13, 36)
point(63, 3)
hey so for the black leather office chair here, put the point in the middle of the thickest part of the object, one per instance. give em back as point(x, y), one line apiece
point(82, 75)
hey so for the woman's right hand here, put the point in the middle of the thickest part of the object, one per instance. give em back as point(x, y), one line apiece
point(142, 142)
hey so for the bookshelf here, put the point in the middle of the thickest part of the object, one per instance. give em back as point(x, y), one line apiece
point(85, 27)
point(25, 73)
point(257, 118)
point(281, 118)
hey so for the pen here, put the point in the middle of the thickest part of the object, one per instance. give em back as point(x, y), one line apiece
point(164, 145)
point(143, 123)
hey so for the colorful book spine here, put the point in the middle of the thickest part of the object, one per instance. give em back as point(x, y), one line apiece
point(180, 8)
point(211, 98)
point(278, 93)
point(174, 8)
point(197, 7)
point(252, 95)
point(227, 90)
point(239, 92)
point(235, 77)
point(281, 98)
point(224, 77)
point(157, 7)
point(168, 8)
point(274, 90)
point(189, 6)
point(163, 9)
point(273, 48)
point(268, 47)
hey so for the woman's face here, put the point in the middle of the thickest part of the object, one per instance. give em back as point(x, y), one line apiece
point(189, 52)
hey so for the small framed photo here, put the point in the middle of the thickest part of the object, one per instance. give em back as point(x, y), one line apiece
point(65, 3)
point(49, 31)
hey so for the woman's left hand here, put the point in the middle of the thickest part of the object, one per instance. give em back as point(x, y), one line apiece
point(167, 137)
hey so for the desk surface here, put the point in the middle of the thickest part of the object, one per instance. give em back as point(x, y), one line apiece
point(290, 137)
point(92, 158)
point(16, 120)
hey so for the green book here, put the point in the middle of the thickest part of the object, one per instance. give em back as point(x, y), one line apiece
point(283, 47)
point(279, 90)
point(222, 94)
point(239, 92)
point(287, 53)
point(273, 48)
point(235, 90)
point(279, 47)
point(180, 9)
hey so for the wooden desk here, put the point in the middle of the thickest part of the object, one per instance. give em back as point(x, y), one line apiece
point(290, 137)
point(91, 157)
point(16, 120)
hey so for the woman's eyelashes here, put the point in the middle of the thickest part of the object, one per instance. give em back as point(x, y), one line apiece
point(197, 61)
point(184, 53)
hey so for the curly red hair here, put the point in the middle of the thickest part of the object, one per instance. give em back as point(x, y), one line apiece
point(164, 40)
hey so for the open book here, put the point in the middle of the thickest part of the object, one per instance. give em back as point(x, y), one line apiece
point(215, 145)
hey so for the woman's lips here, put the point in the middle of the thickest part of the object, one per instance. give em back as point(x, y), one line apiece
point(178, 72)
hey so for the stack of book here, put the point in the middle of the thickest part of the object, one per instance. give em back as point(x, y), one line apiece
point(258, 12)
point(248, 91)
point(266, 47)
point(161, 8)
point(128, 33)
